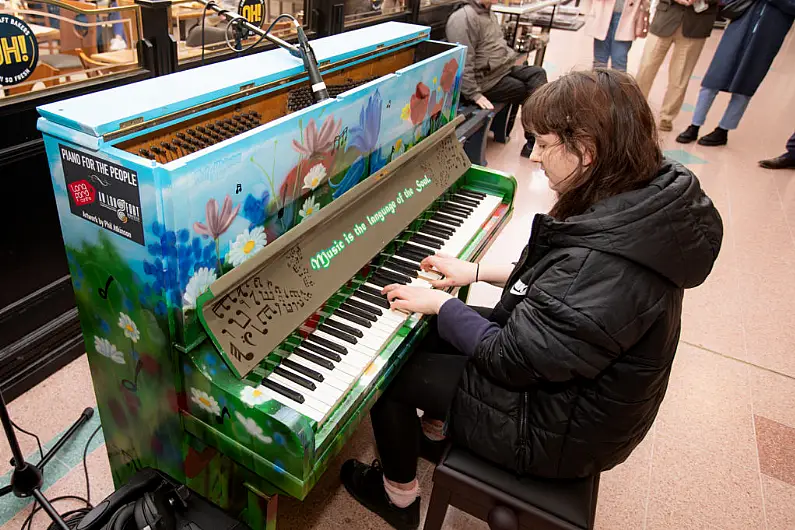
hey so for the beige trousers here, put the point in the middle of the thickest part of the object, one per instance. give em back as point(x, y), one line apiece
point(683, 62)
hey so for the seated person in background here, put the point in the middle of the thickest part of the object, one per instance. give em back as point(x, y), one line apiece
point(490, 72)
point(565, 376)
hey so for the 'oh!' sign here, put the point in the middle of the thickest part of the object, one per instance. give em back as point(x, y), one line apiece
point(253, 11)
point(19, 50)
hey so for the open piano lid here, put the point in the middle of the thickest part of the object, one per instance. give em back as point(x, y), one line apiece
point(249, 311)
point(102, 112)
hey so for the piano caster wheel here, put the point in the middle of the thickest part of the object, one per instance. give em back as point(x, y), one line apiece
point(503, 518)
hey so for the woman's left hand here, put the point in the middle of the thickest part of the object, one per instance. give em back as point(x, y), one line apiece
point(416, 299)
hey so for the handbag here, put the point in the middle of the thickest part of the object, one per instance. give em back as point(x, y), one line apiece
point(642, 22)
point(734, 9)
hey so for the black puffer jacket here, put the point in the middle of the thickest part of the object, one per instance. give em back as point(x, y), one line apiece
point(590, 321)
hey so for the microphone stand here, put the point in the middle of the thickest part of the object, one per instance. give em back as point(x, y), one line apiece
point(303, 51)
point(26, 479)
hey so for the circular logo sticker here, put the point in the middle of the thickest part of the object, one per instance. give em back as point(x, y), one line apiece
point(253, 11)
point(19, 50)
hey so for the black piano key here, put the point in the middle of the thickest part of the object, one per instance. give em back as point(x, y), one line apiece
point(447, 219)
point(334, 323)
point(379, 300)
point(409, 254)
point(380, 281)
point(372, 292)
point(463, 201)
point(474, 194)
point(322, 346)
point(396, 277)
point(444, 229)
point(454, 212)
point(427, 241)
point(458, 207)
point(320, 361)
point(403, 268)
point(283, 390)
point(362, 309)
point(429, 229)
point(325, 328)
point(350, 317)
point(301, 369)
point(297, 379)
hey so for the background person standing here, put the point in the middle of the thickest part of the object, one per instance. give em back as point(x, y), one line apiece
point(676, 23)
point(614, 24)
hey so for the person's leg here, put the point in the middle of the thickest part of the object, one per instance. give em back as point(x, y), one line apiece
point(653, 56)
point(514, 91)
point(619, 54)
point(791, 146)
point(705, 98)
point(532, 77)
point(734, 112)
point(683, 62)
point(730, 120)
point(428, 381)
point(601, 53)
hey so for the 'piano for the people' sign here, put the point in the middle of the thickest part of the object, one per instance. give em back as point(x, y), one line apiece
point(251, 310)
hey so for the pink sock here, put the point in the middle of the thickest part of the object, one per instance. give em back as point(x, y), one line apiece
point(433, 430)
point(400, 497)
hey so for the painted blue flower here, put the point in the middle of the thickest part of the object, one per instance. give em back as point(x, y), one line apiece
point(104, 326)
point(160, 309)
point(364, 136)
point(377, 160)
point(355, 173)
point(127, 303)
point(255, 210)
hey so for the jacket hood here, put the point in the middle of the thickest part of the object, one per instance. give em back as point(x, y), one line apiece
point(670, 227)
point(477, 6)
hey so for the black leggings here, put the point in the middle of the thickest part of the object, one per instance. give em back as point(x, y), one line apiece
point(428, 381)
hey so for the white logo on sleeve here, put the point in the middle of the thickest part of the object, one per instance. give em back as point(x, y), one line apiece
point(519, 288)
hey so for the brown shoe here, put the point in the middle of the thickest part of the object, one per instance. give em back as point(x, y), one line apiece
point(780, 162)
point(666, 125)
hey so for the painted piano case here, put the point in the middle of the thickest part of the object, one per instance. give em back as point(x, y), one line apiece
point(146, 236)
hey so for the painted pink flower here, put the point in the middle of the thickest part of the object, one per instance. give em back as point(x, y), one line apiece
point(448, 74)
point(419, 103)
point(435, 106)
point(218, 222)
point(316, 143)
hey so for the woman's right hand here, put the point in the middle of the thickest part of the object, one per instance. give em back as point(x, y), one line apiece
point(457, 272)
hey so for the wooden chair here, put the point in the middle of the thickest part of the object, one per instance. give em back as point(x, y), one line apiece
point(506, 501)
point(43, 72)
point(76, 37)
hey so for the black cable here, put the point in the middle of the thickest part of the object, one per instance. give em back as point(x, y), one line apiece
point(85, 463)
point(73, 517)
point(38, 440)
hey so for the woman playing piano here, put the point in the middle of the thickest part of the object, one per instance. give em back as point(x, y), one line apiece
point(564, 377)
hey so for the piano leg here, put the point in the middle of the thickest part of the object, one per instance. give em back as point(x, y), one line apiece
point(266, 506)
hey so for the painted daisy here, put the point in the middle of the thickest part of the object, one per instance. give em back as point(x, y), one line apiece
point(246, 245)
point(309, 208)
point(252, 428)
point(253, 396)
point(104, 347)
point(198, 283)
point(205, 401)
point(314, 176)
point(129, 327)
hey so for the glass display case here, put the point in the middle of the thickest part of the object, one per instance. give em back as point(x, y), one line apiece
point(360, 11)
point(70, 42)
point(214, 37)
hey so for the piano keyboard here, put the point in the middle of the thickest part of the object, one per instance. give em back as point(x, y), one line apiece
point(327, 361)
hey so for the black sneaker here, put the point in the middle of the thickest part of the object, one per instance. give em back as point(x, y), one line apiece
point(715, 138)
point(690, 135)
point(366, 485)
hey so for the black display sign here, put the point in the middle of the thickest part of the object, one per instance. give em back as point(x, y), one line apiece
point(103, 193)
point(19, 50)
point(253, 11)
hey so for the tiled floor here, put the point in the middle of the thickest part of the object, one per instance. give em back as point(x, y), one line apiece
point(722, 452)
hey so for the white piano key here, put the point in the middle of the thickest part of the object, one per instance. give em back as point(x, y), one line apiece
point(320, 398)
point(335, 377)
point(301, 408)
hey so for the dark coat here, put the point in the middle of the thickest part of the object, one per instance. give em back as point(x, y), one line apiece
point(670, 15)
point(590, 321)
point(749, 46)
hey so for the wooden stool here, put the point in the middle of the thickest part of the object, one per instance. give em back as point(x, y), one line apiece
point(508, 502)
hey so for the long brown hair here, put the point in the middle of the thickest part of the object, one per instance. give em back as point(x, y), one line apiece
point(602, 111)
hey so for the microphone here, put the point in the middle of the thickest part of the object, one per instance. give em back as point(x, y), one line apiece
point(319, 91)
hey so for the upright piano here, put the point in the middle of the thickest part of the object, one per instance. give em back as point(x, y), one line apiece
point(227, 241)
